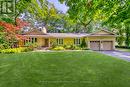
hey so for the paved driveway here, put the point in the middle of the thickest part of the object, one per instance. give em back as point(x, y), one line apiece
point(118, 54)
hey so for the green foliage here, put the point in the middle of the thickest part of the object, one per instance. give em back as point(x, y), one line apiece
point(30, 44)
point(7, 20)
point(53, 44)
point(127, 41)
point(42, 11)
point(1, 28)
point(58, 48)
point(4, 44)
point(83, 44)
point(67, 47)
point(72, 47)
point(22, 5)
point(120, 40)
point(16, 50)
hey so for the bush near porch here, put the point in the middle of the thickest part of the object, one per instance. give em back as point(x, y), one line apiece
point(69, 47)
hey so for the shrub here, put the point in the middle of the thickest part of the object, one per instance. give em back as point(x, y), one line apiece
point(67, 46)
point(30, 44)
point(53, 44)
point(123, 47)
point(77, 48)
point(2, 47)
point(83, 44)
point(74, 47)
point(28, 49)
point(120, 40)
point(16, 50)
point(59, 48)
point(85, 48)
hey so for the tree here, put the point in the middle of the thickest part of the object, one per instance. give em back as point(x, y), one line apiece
point(120, 20)
point(42, 11)
point(21, 6)
point(86, 11)
point(10, 33)
point(107, 13)
point(127, 41)
point(83, 44)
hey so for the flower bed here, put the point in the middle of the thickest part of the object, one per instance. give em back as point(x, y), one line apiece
point(16, 50)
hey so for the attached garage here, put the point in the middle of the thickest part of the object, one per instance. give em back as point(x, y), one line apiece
point(101, 45)
point(102, 40)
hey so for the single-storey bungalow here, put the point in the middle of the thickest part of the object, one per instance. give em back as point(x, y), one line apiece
point(100, 40)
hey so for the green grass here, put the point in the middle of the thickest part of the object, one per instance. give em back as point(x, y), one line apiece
point(123, 49)
point(63, 69)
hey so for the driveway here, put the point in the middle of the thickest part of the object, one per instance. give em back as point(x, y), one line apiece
point(118, 54)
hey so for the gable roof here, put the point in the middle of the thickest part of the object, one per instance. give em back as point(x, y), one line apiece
point(38, 33)
point(102, 32)
point(62, 35)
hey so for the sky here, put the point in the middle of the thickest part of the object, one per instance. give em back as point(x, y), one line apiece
point(61, 7)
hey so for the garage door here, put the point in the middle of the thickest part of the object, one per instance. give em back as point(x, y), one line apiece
point(95, 45)
point(107, 45)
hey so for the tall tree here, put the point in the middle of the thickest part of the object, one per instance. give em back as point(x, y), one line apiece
point(10, 33)
point(120, 20)
point(42, 11)
point(86, 11)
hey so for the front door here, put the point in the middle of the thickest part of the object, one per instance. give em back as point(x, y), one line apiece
point(46, 42)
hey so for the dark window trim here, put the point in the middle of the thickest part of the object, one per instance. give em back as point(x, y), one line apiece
point(77, 41)
point(60, 41)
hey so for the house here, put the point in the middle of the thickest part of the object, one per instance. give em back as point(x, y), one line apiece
point(100, 40)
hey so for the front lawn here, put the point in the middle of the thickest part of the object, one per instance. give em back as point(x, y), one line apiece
point(63, 69)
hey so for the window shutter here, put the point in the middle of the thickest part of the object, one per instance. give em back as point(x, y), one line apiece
point(74, 41)
point(35, 39)
point(79, 41)
point(57, 41)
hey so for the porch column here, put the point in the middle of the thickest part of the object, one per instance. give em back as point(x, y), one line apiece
point(49, 42)
point(87, 42)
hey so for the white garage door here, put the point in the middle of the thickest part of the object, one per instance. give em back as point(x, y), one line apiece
point(95, 45)
point(107, 45)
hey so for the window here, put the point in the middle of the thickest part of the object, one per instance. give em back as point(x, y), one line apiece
point(77, 41)
point(33, 40)
point(59, 41)
point(30, 40)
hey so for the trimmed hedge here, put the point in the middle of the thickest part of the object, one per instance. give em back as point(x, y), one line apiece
point(122, 47)
point(59, 48)
point(68, 47)
point(16, 50)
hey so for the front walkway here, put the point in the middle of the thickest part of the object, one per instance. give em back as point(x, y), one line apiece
point(118, 54)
